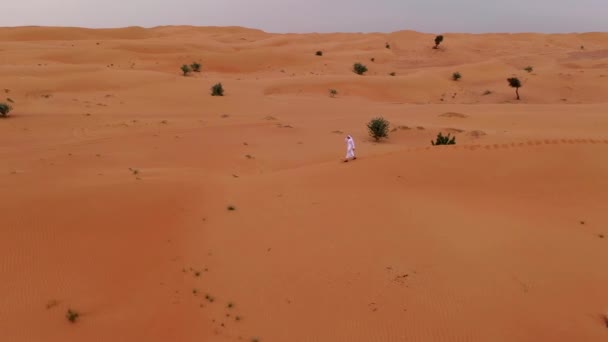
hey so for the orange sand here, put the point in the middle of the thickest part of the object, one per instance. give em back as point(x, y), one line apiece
point(495, 239)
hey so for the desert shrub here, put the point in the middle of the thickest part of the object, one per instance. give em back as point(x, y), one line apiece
point(196, 67)
point(186, 69)
point(438, 41)
point(444, 140)
point(514, 82)
point(388, 46)
point(359, 69)
point(487, 92)
point(319, 53)
point(72, 315)
point(393, 73)
point(5, 109)
point(217, 90)
point(373, 59)
point(378, 128)
point(456, 76)
point(529, 68)
point(333, 92)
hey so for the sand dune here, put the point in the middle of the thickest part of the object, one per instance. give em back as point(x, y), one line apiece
point(118, 172)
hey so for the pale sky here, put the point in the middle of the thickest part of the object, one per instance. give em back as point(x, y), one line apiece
point(432, 16)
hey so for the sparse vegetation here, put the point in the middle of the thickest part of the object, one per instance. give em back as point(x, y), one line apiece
point(487, 92)
point(373, 59)
point(72, 315)
point(209, 298)
point(333, 92)
point(319, 53)
point(514, 82)
point(5, 109)
point(529, 68)
point(444, 140)
point(231, 208)
point(186, 69)
point(378, 128)
point(456, 76)
point(230, 305)
point(217, 90)
point(438, 40)
point(8, 99)
point(359, 69)
point(388, 46)
point(51, 304)
point(196, 67)
point(393, 73)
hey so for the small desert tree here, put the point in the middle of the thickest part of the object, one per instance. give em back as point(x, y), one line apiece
point(456, 76)
point(378, 128)
point(217, 90)
point(319, 53)
point(186, 69)
point(514, 82)
point(438, 41)
point(333, 92)
point(5, 109)
point(359, 69)
point(196, 67)
point(444, 140)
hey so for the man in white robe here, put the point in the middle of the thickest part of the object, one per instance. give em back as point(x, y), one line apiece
point(350, 149)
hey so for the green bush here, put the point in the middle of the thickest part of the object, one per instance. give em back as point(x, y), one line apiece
point(196, 67)
point(319, 53)
point(514, 82)
point(72, 315)
point(5, 109)
point(359, 69)
point(444, 140)
point(456, 76)
point(186, 69)
point(378, 128)
point(217, 90)
point(438, 41)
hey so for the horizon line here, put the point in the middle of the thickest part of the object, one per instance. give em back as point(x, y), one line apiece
point(306, 32)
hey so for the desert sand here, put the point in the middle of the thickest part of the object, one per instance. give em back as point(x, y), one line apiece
point(116, 174)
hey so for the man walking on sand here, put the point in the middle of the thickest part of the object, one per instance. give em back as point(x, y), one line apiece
point(350, 148)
